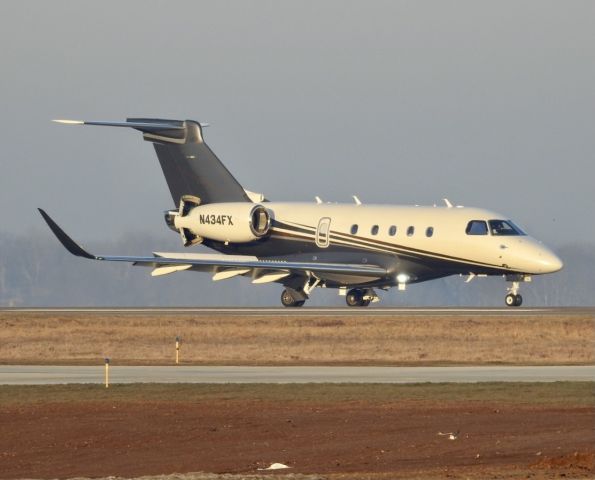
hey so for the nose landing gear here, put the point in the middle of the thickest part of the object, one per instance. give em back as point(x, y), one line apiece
point(514, 299)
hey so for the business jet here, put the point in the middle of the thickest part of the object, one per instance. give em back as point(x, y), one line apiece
point(354, 248)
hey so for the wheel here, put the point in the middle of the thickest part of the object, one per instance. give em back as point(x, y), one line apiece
point(513, 300)
point(354, 298)
point(287, 299)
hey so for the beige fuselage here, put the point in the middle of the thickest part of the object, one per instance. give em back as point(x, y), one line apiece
point(419, 242)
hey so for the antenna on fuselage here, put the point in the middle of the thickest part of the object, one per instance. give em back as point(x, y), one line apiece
point(447, 201)
point(318, 199)
point(356, 200)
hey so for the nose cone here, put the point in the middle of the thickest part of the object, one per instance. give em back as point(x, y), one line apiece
point(531, 256)
point(548, 261)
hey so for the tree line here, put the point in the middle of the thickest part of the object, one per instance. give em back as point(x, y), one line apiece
point(35, 270)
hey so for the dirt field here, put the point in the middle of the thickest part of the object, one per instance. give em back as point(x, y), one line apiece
point(537, 431)
point(286, 339)
point(533, 431)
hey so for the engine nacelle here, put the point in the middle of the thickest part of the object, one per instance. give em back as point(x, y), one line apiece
point(225, 222)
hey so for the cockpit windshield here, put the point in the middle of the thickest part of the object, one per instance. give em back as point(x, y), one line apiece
point(504, 227)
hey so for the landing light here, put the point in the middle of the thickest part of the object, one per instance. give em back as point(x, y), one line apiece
point(402, 278)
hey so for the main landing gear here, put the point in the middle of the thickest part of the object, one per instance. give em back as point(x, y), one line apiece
point(296, 297)
point(358, 297)
point(290, 299)
point(355, 298)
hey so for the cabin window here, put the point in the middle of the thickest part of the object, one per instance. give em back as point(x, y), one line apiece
point(504, 227)
point(429, 231)
point(354, 229)
point(410, 231)
point(392, 231)
point(374, 230)
point(477, 227)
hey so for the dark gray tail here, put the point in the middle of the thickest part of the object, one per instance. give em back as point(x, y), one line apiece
point(189, 165)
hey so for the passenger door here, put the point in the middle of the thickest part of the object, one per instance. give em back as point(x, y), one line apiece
point(323, 232)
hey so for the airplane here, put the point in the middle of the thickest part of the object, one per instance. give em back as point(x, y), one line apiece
point(355, 248)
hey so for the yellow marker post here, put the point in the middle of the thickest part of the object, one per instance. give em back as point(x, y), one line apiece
point(177, 350)
point(106, 372)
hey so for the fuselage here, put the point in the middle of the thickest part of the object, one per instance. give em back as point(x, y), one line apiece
point(414, 243)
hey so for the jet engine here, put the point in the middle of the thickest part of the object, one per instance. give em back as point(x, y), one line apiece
point(234, 222)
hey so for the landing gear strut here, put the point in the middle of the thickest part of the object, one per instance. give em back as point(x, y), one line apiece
point(513, 299)
point(291, 298)
point(357, 297)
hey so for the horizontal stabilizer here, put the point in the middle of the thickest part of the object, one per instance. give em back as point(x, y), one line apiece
point(140, 125)
point(189, 165)
point(170, 131)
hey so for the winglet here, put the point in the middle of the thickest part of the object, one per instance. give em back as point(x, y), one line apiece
point(65, 240)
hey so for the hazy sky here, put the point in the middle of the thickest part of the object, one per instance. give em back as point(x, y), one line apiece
point(491, 104)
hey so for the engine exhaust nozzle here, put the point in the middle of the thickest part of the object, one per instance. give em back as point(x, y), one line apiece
point(170, 219)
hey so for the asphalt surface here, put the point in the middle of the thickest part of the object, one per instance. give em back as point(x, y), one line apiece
point(46, 375)
point(324, 311)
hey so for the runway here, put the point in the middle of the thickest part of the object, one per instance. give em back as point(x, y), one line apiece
point(48, 375)
point(320, 311)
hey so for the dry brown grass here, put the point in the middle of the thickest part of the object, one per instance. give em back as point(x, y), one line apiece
point(133, 338)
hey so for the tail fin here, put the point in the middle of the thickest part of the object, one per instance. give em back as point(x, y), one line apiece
point(189, 165)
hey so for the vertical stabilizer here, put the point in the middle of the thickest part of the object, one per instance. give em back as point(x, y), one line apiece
point(189, 165)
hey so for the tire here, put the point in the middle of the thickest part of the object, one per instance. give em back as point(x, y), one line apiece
point(510, 300)
point(518, 301)
point(365, 303)
point(354, 298)
point(287, 299)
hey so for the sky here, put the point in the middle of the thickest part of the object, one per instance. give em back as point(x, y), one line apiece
point(490, 104)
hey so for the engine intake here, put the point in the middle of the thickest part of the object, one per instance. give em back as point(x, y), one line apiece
point(260, 221)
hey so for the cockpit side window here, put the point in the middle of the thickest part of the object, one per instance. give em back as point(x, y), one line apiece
point(504, 227)
point(477, 227)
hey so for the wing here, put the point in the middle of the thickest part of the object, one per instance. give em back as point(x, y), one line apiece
point(222, 266)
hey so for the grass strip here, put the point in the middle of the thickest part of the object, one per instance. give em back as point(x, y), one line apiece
point(550, 393)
